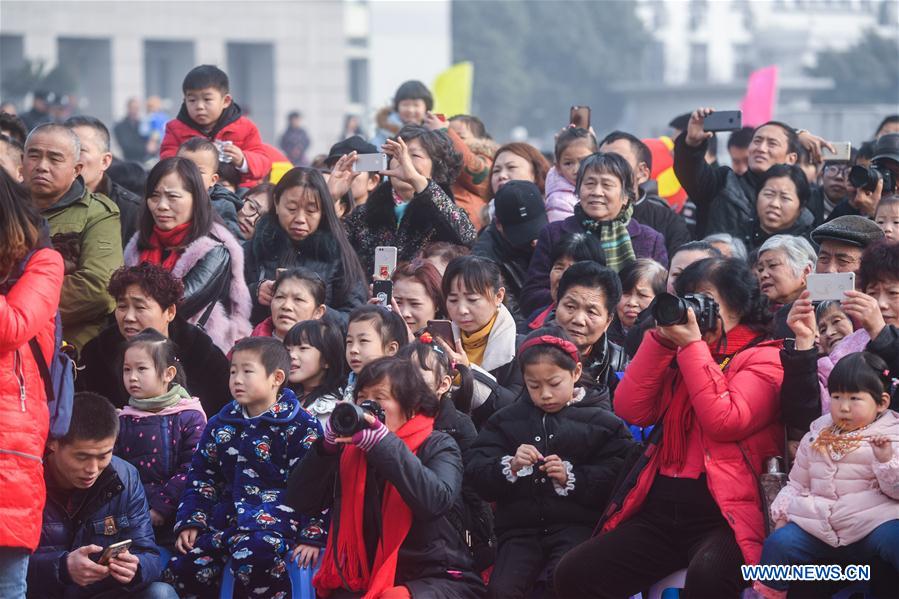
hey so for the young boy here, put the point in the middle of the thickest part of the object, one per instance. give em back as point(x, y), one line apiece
point(232, 507)
point(373, 332)
point(205, 155)
point(209, 111)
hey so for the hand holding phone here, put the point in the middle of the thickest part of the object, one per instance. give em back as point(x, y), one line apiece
point(382, 289)
point(842, 151)
point(113, 550)
point(830, 286)
point(723, 120)
point(444, 330)
point(370, 163)
point(579, 116)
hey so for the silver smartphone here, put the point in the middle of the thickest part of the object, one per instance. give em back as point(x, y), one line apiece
point(842, 151)
point(370, 162)
point(830, 286)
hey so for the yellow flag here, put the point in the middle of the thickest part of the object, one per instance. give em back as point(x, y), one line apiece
point(452, 90)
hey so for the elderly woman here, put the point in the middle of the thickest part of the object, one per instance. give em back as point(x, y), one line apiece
point(780, 206)
point(784, 263)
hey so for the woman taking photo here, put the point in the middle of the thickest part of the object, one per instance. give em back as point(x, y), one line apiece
point(696, 502)
point(29, 300)
point(179, 231)
point(390, 487)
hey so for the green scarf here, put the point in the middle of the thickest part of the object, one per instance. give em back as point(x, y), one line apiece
point(155, 404)
point(613, 235)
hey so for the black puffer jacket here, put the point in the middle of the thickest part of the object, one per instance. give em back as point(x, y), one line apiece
point(592, 439)
point(430, 483)
point(271, 249)
point(129, 204)
point(754, 236)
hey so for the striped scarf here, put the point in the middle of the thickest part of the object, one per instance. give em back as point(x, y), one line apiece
point(613, 235)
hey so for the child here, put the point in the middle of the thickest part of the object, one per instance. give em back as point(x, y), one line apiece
point(297, 295)
point(572, 145)
point(641, 281)
point(842, 502)
point(205, 155)
point(209, 111)
point(160, 427)
point(373, 332)
point(887, 217)
point(316, 366)
point(548, 463)
point(233, 507)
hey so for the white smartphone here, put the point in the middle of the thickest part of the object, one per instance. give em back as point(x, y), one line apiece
point(830, 286)
point(370, 162)
point(843, 151)
point(385, 262)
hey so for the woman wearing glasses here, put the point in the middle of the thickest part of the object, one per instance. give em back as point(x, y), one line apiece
point(257, 202)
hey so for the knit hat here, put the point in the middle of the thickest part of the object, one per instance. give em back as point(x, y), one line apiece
point(351, 144)
point(851, 229)
point(520, 211)
point(413, 90)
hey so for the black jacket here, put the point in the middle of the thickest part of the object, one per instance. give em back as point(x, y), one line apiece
point(429, 482)
point(205, 366)
point(129, 206)
point(271, 249)
point(653, 211)
point(133, 144)
point(513, 263)
point(602, 366)
point(844, 208)
point(227, 204)
point(592, 439)
point(753, 236)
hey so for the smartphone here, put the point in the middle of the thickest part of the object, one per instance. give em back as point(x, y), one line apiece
point(444, 330)
point(842, 153)
point(279, 272)
point(113, 550)
point(383, 290)
point(580, 117)
point(724, 120)
point(370, 162)
point(830, 286)
point(385, 262)
point(440, 117)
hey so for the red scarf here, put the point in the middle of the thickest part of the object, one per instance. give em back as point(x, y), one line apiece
point(170, 241)
point(680, 418)
point(350, 541)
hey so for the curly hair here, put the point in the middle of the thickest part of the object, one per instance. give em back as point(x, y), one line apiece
point(447, 163)
point(154, 280)
point(880, 263)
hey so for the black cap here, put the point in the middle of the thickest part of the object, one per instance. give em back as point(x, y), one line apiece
point(680, 121)
point(519, 208)
point(887, 146)
point(851, 229)
point(351, 144)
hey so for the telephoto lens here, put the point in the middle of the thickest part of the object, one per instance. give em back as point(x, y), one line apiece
point(669, 309)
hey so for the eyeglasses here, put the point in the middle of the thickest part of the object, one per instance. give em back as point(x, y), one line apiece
point(251, 209)
point(836, 170)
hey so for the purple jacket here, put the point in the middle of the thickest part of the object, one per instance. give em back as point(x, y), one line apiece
point(647, 243)
point(160, 445)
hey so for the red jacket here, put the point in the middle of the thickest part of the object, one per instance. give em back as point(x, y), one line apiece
point(27, 311)
point(740, 404)
point(231, 126)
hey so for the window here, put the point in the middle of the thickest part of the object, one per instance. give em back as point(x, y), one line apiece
point(358, 72)
point(699, 62)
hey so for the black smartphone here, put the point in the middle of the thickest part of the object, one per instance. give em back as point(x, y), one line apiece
point(724, 120)
point(580, 117)
point(383, 290)
point(444, 330)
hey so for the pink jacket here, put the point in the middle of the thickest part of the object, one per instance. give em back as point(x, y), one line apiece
point(841, 502)
point(560, 198)
point(851, 343)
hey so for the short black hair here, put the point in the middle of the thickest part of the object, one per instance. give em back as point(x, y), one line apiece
point(413, 90)
point(553, 353)
point(406, 384)
point(157, 282)
point(94, 418)
point(14, 126)
point(271, 353)
point(698, 246)
point(592, 275)
point(130, 174)
point(865, 151)
point(478, 274)
point(90, 122)
point(311, 279)
point(794, 174)
point(203, 76)
point(880, 263)
point(680, 121)
point(793, 144)
point(474, 124)
point(200, 144)
point(888, 120)
point(861, 371)
point(643, 269)
point(640, 149)
point(389, 324)
point(229, 174)
point(741, 138)
point(578, 247)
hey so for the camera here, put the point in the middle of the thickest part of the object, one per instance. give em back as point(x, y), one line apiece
point(866, 177)
point(669, 309)
point(347, 419)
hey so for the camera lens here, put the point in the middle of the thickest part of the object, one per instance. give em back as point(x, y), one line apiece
point(345, 419)
point(669, 309)
point(863, 177)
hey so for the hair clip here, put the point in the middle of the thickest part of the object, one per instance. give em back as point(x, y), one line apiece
point(426, 338)
point(886, 373)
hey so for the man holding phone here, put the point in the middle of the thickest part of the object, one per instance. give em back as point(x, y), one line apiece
point(94, 501)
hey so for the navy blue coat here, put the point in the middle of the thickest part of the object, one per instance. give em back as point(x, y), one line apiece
point(114, 509)
point(239, 473)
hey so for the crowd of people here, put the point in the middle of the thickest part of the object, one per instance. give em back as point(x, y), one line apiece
point(475, 370)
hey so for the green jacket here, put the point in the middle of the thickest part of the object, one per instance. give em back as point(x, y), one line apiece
point(85, 229)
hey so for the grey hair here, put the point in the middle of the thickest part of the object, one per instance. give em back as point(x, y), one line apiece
point(737, 247)
point(57, 128)
point(798, 251)
point(94, 123)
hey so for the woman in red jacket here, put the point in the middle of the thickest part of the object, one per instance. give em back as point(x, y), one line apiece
point(696, 504)
point(28, 303)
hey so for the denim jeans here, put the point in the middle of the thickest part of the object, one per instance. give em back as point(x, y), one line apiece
point(13, 572)
point(791, 545)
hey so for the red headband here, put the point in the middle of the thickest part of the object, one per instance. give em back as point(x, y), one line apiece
point(566, 346)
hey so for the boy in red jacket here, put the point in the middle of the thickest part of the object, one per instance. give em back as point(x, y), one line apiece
point(209, 111)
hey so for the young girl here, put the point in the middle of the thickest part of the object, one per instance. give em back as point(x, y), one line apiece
point(474, 296)
point(572, 145)
point(548, 463)
point(887, 217)
point(641, 281)
point(160, 426)
point(298, 294)
point(842, 501)
point(316, 366)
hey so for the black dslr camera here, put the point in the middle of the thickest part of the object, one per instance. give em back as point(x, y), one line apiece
point(669, 309)
point(866, 177)
point(347, 419)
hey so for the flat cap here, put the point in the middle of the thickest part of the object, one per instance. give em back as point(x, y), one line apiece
point(854, 230)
